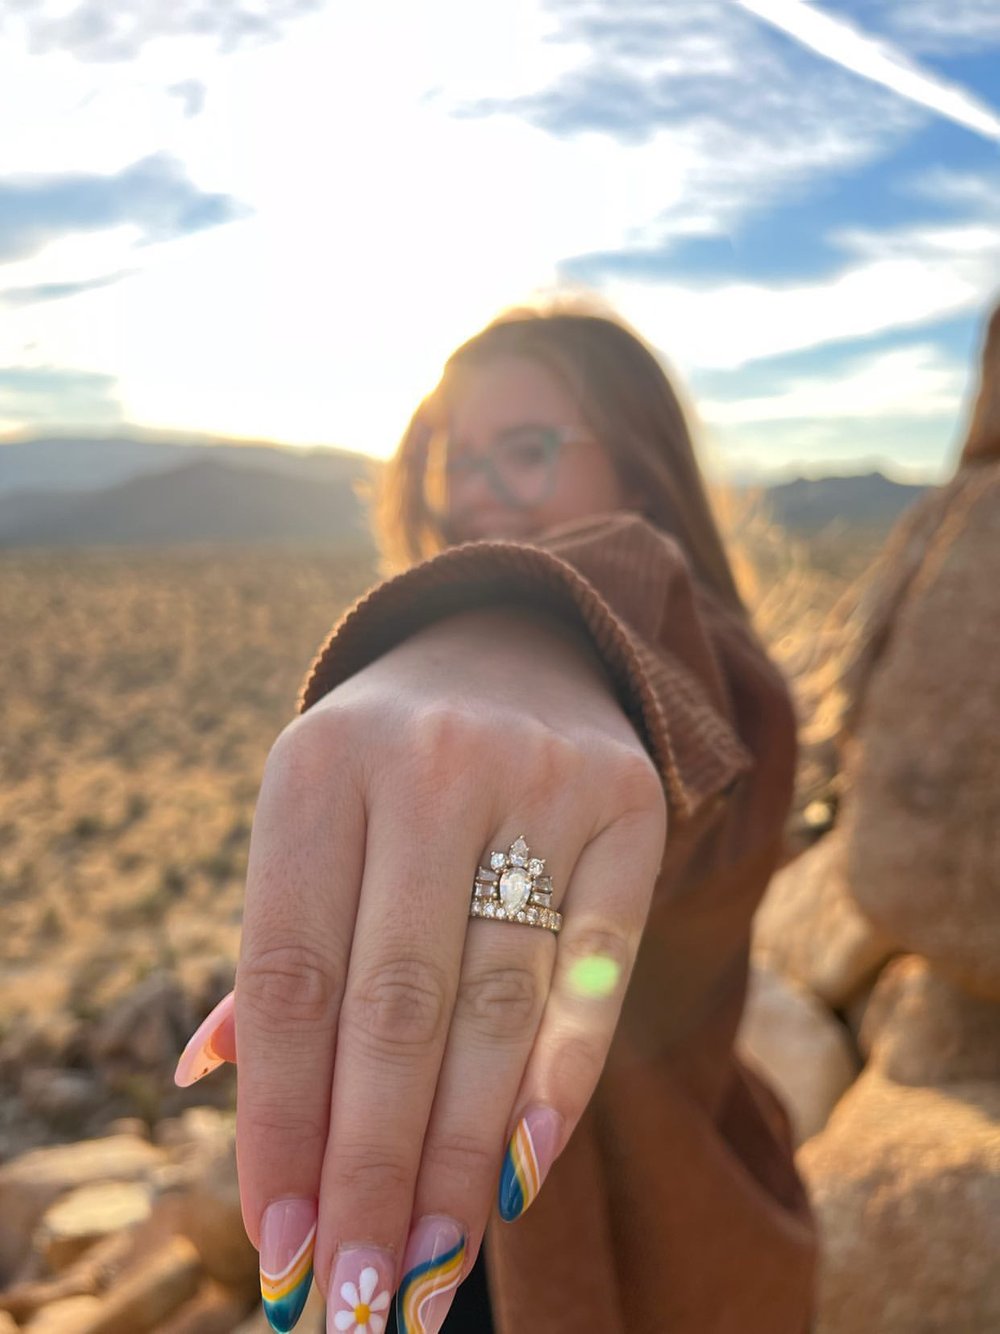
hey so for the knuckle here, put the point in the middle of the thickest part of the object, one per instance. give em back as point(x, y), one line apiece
point(445, 733)
point(370, 1173)
point(301, 744)
point(401, 1006)
point(577, 1064)
point(463, 1160)
point(289, 983)
point(556, 758)
point(501, 1003)
point(276, 1118)
point(432, 756)
point(638, 785)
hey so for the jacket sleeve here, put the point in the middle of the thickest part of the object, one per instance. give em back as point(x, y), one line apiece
point(629, 588)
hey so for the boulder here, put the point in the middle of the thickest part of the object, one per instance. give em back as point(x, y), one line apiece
point(809, 926)
point(86, 1215)
point(982, 441)
point(62, 1098)
point(905, 1183)
point(921, 819)
point(213, 1309)
point(147, 1294)
point(96, 1270)
point(30, 1183)
point(919, 1029)
point(199, 1194)
point(145, 1030)
point(799, 1047)
point(71, 1315)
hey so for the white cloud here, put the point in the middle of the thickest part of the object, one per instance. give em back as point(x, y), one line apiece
point(731, 126)
point(906, 382)
point(899, 280)
point(867, 56)
point(976, 192)
point(943, 26)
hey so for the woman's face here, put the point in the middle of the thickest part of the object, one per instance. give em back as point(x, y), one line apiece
point(499, 483)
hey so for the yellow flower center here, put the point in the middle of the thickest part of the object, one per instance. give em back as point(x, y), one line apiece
point(362, 1312)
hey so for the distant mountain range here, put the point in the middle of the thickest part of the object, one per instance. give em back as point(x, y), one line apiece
point(84, 492)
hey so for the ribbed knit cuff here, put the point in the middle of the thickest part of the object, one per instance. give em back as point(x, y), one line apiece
point(483, 574)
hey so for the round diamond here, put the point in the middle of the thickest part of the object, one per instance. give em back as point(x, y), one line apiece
point(536, 866)
point(489, 910)
point(498, 860)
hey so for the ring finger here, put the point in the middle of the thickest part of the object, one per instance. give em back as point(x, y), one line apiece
point(542, 1063)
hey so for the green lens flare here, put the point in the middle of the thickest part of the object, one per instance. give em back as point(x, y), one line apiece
point(594, 976)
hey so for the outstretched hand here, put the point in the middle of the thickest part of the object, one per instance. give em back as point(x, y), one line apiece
point(396, 1058)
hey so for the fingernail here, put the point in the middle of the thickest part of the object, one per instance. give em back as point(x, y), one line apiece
point(360, 1290)
point(287, 1236)
point(530, 1154)
point(432, 1267)
point(201, 1055)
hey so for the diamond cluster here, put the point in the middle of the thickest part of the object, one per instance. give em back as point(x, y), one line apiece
point(513, 889)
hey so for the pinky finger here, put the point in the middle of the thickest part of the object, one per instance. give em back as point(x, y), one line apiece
point(212, 1044)
point(566, 1063)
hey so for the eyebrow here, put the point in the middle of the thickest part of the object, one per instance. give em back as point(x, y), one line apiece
point(451, 443)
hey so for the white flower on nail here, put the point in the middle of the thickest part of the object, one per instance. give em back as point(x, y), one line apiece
point(362, 1314)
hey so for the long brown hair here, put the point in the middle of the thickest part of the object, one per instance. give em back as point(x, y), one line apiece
point(625, 397)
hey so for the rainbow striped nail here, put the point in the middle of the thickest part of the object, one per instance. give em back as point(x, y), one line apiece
point(529, 1156)
point(432, 1268)
point(287, 1237)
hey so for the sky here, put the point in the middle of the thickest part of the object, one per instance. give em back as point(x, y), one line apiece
point(274, 219)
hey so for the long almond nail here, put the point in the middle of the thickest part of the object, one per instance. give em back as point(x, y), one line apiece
point(202, 1054)
point(530, 1154)
point(287, 1236)
point(360, 1291)
point(432, 1268)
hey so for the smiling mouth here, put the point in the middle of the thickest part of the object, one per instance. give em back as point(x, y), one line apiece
point(493, 523)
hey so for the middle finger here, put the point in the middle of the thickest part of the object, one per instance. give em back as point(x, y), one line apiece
point(399, 995)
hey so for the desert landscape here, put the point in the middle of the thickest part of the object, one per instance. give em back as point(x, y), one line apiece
point(141, 686)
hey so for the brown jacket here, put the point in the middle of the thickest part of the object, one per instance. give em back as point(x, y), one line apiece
point(676, 1207)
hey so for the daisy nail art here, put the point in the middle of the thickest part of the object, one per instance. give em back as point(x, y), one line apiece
point(360, 1292)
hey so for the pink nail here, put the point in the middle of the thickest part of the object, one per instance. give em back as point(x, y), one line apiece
point(530, 1153)
point(209, 1046)
point(432, 1269)
point(360, 1291)
point(287, 1236)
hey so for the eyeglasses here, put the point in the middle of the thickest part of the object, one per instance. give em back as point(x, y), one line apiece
point(519, 465)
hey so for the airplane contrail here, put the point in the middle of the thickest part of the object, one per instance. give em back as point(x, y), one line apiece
point(842, 43)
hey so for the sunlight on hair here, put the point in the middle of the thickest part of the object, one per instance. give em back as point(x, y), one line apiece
point(594, 976)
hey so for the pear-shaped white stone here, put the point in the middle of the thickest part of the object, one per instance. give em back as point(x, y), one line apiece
point(515, 886)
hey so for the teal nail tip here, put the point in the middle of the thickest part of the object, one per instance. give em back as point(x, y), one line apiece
point(283, 1311)
point(510, 1197)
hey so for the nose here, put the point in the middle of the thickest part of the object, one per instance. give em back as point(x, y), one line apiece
point(474, 489)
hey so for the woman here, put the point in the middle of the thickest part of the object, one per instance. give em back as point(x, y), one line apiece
point(568, 660)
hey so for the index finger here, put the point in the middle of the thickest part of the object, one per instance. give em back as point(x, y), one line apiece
point(306, 856)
